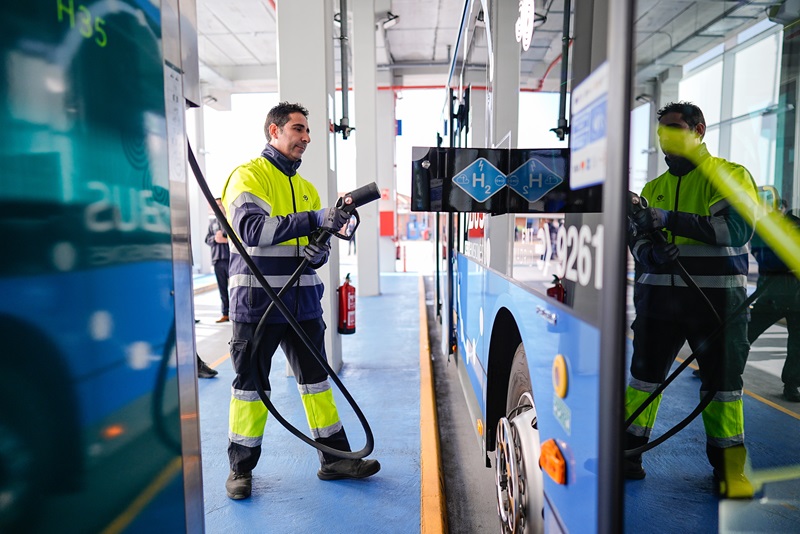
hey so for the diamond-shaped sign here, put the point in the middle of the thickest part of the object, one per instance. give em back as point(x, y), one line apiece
point(480, 179)
point(532, 180)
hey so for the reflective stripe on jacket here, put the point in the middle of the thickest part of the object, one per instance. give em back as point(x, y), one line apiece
point(272, 215)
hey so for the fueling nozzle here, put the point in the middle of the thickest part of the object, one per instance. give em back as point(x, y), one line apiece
point(635, 203)
point(348, 204)
point(358, 197)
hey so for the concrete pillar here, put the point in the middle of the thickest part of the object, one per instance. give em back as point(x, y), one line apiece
point(365, 112)
point(306, 75)
point(503, 122)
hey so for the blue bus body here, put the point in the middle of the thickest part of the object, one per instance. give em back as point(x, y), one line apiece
point(481, 295)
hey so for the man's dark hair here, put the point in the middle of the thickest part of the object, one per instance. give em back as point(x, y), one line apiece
point(279, 115)
point(689, 112)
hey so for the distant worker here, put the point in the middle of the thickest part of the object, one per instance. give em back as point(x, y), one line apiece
point(274, 211)
point(203, 370)
point(217, 239)
point(700, 210)
point(780, 299)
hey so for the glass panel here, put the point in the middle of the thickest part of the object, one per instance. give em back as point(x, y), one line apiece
point(640, 150)
point(753, 145)
point(713, 336)
point(755, 84)
point(90, 428)
point(704, 88)
point(536, 259)
point(712, 140)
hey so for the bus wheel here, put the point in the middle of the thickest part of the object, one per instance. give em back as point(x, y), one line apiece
point(20, 479)
point(518, 478)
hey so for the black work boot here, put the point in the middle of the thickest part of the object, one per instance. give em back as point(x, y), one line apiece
point(239, 485)
point(348, 469)
point(791, 393)
point(632, 465)
point(204, 371)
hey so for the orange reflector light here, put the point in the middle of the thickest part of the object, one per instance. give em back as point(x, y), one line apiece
point(552, 462)
point(113, 431)
point(479, 424)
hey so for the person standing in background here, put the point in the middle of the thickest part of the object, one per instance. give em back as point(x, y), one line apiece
point(217, 239)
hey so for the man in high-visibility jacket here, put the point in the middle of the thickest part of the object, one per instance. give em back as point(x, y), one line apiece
point(273, 210)
point(702, 211)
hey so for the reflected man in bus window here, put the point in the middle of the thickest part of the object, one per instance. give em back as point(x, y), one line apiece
point(695, 230)
point(778, 298)
point(217, 239)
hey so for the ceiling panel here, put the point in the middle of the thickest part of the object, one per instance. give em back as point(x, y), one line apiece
point(237, 38)
point(210, 53)
point(243, 15)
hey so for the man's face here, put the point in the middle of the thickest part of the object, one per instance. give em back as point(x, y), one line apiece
point(676, 137)
point(293, 138)
point(221, 206)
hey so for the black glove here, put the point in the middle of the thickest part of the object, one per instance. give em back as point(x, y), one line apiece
point(331, 218)
point(316, 254)
point(651, 219)
point(663, 253)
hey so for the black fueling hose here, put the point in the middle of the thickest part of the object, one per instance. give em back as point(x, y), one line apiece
point(157, 406)
point(707, 398)
point(348, 203)
point(637, 204)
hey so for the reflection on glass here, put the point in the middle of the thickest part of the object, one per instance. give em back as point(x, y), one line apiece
point(89, 413)
point(536, 254)
point(736, 466)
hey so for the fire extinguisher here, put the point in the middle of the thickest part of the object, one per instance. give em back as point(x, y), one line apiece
point(347, 307)
point(558, 291)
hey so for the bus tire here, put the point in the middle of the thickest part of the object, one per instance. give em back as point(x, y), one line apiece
point(40, 445)
point(519, 380)
point(21, 472)
point(518, 478)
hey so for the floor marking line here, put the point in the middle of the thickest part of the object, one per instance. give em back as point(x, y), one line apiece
point(220, 360)
point(433, 514)
point(124, 520)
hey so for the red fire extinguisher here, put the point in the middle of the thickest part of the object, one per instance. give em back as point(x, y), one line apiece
point(558, 291)
point(347, 307)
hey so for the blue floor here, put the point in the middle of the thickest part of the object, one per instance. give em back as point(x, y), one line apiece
point(680, 477)
point(381, 371)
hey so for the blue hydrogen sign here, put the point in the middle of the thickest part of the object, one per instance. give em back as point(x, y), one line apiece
point(480, 179)
point(532, 180)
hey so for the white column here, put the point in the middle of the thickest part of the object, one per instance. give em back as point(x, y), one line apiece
point(387, 177)
point(365, 99)
point(306, 76)
point(198, 206)
point(504, 119)
point(477, 117)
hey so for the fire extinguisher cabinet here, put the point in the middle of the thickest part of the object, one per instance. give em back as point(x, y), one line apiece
point(346, 322)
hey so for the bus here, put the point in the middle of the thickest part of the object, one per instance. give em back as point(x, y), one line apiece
point(534, 278)
point(90, 412)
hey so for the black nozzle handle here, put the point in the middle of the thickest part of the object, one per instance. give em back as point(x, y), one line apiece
point(636, 204)
point(359, 197)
